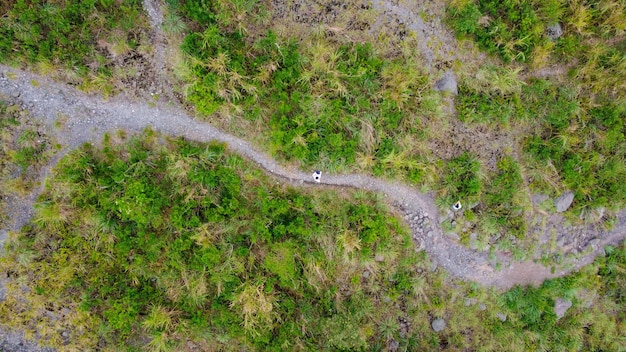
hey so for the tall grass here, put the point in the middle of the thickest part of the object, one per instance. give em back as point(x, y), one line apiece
point(24, 149)
point(79, 39)
point(214, 259)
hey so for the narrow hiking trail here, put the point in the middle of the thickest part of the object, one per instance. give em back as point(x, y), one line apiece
point(86, 118)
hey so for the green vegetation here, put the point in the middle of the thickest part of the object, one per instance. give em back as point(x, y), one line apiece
point(327, 103)
point(186, 241)
point(572, 132)
point(79, 40)
point(24, 148)
point(188, 247)
point(316, 100)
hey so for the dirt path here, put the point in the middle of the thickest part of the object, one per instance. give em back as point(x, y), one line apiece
point(87, 118)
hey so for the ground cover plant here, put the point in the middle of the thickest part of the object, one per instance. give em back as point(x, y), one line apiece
point(317, 100)
point(187, 241)
point(569, 130)
point(165, 244)
point(24, 149)
point(341, 105)
point(84, 42)
point(577, 126)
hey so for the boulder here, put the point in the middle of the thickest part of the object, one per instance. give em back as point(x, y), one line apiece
point(563, 202)
point(561, 306)
point(554, 31)
point(447, 83)
point(438, 324)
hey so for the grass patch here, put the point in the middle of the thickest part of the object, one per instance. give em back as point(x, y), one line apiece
point(81, 41)
point(178, 240)
point(315, 100)
point(24, 149)
point(185, 244)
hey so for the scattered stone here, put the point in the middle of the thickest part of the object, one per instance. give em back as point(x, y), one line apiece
point(501, 316)
point(473, 236)
point(482, 306)
point(563, 202)
point(453, 236)
point(420, 245)
point(587, 298)
point(561, 306)
point(438, 324)
point(392, 345)
point(554, 31)
point(366, 274)
point(447, 83)
point(379, 258)
point(539, 198)
point(433, 265)
point(600, 212)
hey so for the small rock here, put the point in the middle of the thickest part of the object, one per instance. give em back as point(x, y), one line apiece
point(429, 234)
point(539, 198)
point(453, 236)
point(482, 306)
point(393, 345)
point(595, 243)
point(447, 83)
point(554, 31)
point(433, 265)
point(438, 324)
point(379, 258)
point(473, 236)
point(561, 306)
point(563, 202)
point(501, 316)
point(600, 212)
point(366, 274)
point(586, 298)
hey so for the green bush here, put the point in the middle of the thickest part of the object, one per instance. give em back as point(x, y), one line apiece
point(461, 179)
point(178, 227)
point(65, 35)
point(509, 29)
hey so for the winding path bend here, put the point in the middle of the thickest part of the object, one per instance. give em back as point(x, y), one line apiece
point(88, 117)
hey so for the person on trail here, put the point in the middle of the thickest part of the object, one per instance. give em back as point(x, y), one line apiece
point(317, 176)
